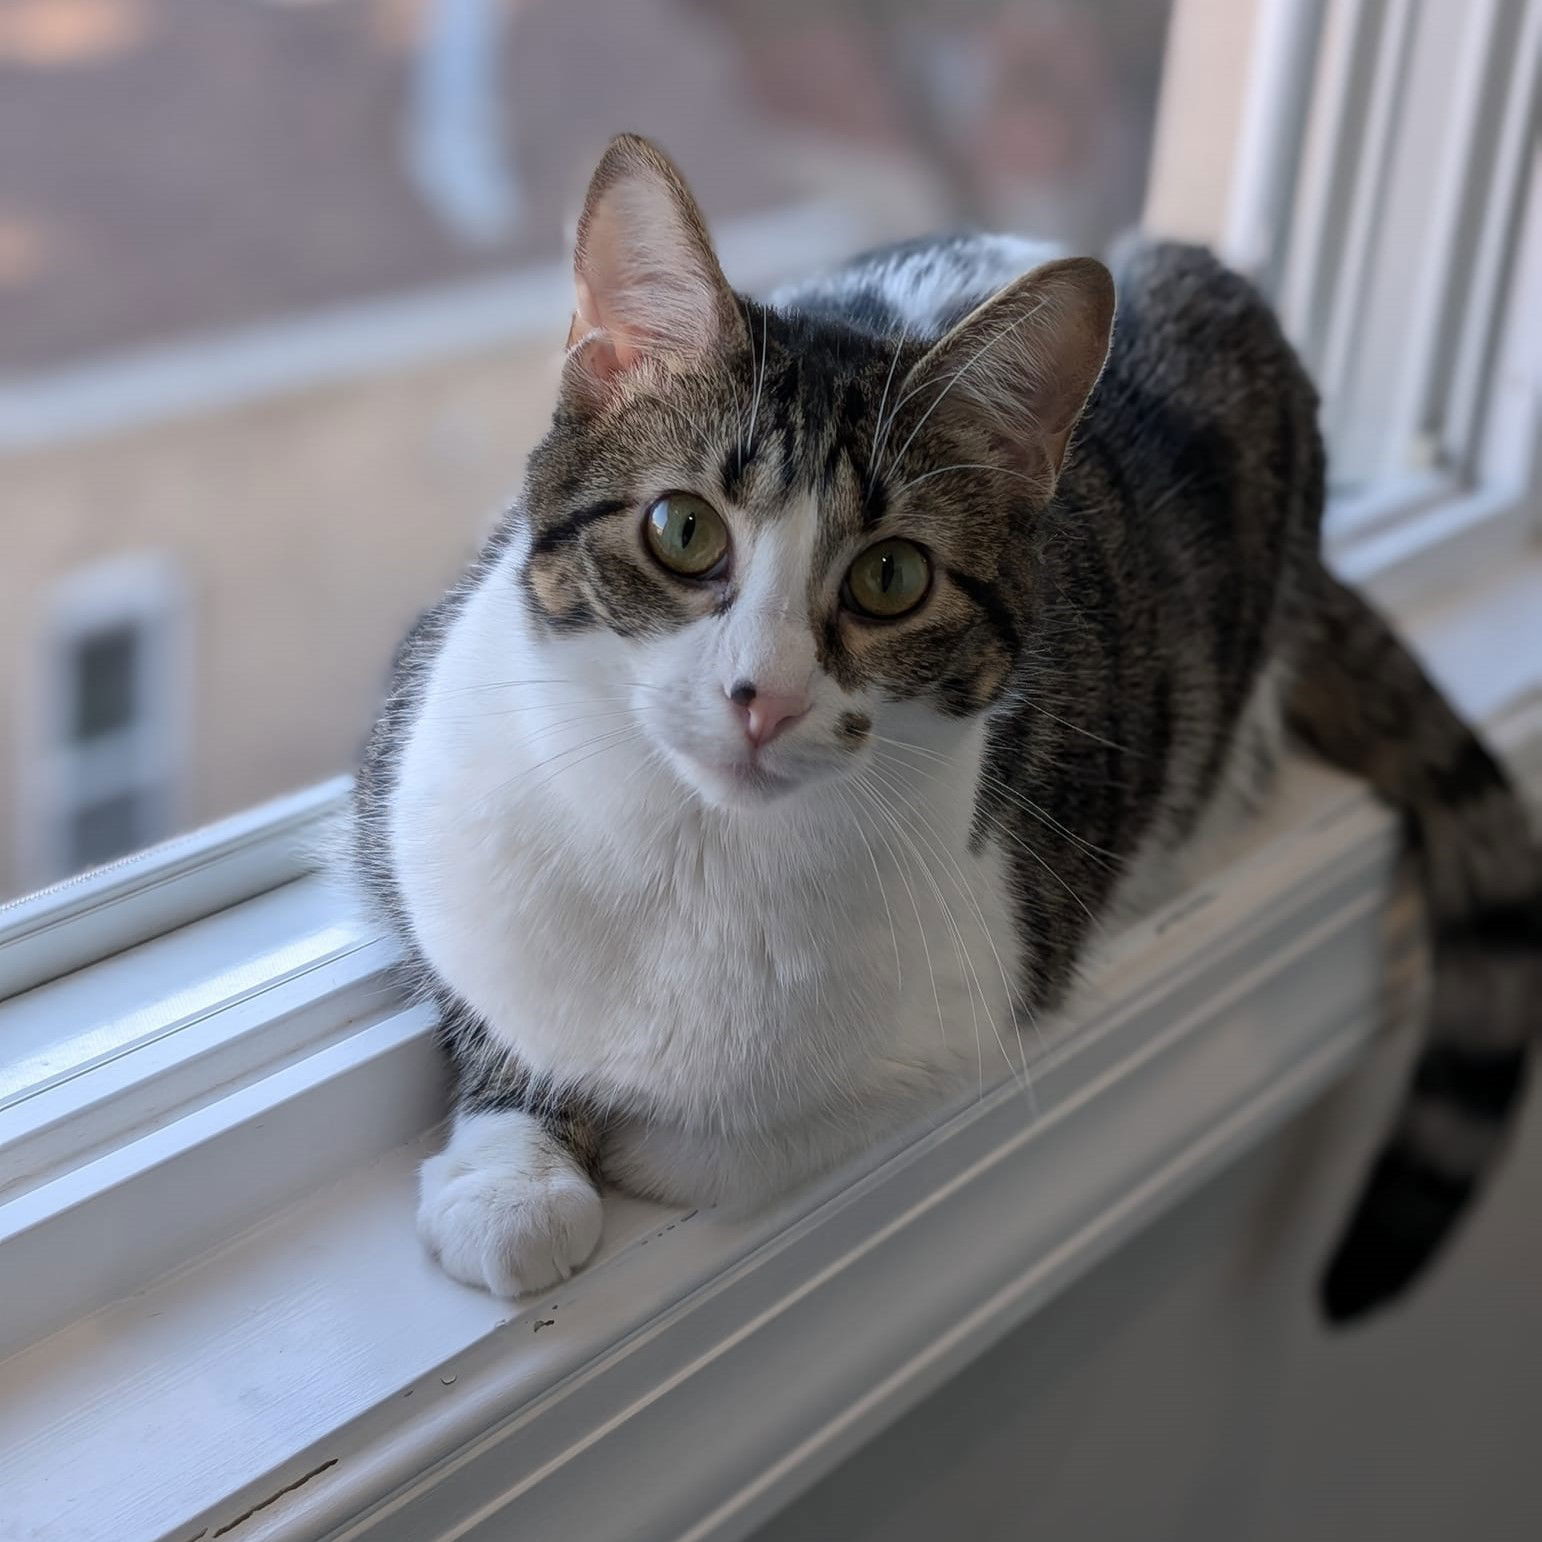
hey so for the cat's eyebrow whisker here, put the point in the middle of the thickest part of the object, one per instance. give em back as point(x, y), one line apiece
point(702, 438)
point(880, 425)
point(760, 380)
point(959, 374)
point(1005, 471)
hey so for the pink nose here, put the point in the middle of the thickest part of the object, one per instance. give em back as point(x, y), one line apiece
point(765, 713)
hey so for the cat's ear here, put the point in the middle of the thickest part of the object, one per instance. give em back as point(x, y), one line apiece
point(648, 281)
point(1025, 362)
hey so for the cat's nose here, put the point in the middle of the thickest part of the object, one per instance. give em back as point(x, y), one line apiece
point(765, 714)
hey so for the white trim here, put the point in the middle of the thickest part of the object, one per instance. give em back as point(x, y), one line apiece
point(1498, 249)
point(1324, 172)
point(1285, 36)
point(1431, 293)
point(231, 369)
point(1365, 202)
point(74, 923)
point(1404, 279)
point(120, 1046)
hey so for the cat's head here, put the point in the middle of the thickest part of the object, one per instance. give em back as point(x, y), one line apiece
point(782, 538)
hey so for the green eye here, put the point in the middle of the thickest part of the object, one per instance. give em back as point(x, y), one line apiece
point(686, 534)
point(888, 580)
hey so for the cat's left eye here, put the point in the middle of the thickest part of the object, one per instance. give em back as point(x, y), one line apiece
point(887, 580)
point(686, 534)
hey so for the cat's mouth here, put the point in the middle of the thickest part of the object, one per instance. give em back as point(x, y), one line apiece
point(742, 781)
point(745, 781)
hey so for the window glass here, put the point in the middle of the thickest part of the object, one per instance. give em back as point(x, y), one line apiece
point(106, 829)
point(282, 291)
point(105, 664)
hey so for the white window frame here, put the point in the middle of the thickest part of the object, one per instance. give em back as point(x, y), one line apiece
point(1375, 122)
point(252, 1095)
point(147, 758)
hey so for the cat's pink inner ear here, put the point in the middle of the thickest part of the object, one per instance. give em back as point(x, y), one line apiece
point(1024, 363)
point(647, 281)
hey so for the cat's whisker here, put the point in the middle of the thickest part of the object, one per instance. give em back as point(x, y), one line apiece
point(966, 963)
point(582, 685)
point(1007, 985)
point(539, 706)
point(972, 987)
point(861, 787)
point(1039, 706)
point(546, 730)
point(1019, 841)
point(1005, 471)
point(1006, 790)
point(571, 749)
point(880, 424)
point(959, 374)
point(615, 743)
point(966, 892)
point(760, 380)
point(856, 824)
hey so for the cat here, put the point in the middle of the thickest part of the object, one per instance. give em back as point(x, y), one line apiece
point(848, 660)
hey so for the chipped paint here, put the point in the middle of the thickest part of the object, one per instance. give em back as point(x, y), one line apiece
point(272, 1498)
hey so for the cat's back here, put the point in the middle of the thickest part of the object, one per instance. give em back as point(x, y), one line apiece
point(917, 289)
point(1188, 325)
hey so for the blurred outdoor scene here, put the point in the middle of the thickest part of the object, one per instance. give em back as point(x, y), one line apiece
point(283, 287)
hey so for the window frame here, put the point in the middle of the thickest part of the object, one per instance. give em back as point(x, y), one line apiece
point(1327, 214)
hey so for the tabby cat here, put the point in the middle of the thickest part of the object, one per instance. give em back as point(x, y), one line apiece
point(847, 659)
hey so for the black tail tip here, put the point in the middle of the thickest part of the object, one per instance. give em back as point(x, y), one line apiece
point(1407, 1212)
point(1373, 1264)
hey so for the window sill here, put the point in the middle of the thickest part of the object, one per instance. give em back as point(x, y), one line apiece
point(270, 1319)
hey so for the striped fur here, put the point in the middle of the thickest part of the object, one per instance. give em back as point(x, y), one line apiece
point(709, 989)
point(1362, 702)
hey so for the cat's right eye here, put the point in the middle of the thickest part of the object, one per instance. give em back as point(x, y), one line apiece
point(687, 535)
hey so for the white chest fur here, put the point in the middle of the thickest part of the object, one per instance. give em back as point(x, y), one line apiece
point(753, 990)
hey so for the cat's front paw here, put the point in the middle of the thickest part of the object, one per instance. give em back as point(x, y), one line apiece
point(504, 1207)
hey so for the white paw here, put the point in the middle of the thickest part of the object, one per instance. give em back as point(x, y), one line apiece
point(503, 1207)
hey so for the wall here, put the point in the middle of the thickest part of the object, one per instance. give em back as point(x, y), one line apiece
point(1199, 118)
point(308, 529)
point(1182, 1392)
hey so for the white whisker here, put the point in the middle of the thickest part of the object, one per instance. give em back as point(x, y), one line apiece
point(958, 375)
point(967, 893)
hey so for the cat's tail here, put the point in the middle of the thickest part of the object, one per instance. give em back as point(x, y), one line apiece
point(1363, 703)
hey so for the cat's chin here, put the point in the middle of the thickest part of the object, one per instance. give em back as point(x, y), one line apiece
point(742, 784)
point(739, 784)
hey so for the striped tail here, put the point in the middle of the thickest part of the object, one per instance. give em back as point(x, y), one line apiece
point(1362, 703)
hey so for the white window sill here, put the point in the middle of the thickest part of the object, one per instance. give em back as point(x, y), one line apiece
point(219, 1310)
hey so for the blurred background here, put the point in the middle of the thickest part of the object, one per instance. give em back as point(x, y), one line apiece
point(283, 286)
